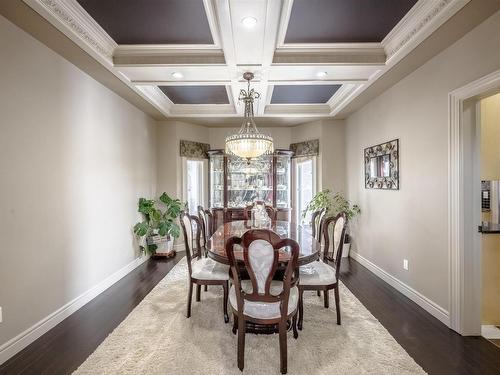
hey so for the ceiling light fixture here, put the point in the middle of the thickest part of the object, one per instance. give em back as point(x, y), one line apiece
point(249, 22)
point(249, 143)
point(177, 75)
point(322, 74)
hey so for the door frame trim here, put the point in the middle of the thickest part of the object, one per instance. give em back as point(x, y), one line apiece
point(458, 235)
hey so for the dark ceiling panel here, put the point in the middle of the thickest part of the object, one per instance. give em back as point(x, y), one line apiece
point(344, 21)
point(196, 94)
point(303, 94)
point(151, 21)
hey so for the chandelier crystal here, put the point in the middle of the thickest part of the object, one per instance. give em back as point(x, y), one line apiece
point(249, 143)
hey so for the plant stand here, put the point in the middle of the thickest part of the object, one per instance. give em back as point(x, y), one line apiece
point(169, 254)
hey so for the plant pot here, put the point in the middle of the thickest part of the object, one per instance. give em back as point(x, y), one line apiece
point(164, 245)
point(345, 249)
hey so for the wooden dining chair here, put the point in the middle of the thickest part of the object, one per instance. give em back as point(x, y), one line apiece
point(321, 275)
point(201, 270)
point(263, 300)
point(204, 229)
point(316, 221)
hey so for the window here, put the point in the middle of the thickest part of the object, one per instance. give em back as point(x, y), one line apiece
point(305, 186)
point(194, 185)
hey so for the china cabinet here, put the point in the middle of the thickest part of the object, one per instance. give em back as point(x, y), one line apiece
point(235, 183)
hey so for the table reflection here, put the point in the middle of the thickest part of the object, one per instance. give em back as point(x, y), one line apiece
point(309, 246)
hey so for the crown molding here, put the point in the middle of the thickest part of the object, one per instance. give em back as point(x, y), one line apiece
point(343, 96)
point(425, 17)
point(209, 6)
point(157, 98)
point(74, 22)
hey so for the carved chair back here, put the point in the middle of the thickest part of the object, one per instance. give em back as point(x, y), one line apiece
point(204, 225)
point(316, 222)
point(334, 228)
point(210, 223)
point(191, 237)
point(260, 254)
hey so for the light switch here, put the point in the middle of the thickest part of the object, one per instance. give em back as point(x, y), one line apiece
point(405, 264)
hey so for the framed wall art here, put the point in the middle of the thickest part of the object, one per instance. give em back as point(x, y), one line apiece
point(382, 166)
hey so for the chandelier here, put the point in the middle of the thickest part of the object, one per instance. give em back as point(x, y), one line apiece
point(249, 143)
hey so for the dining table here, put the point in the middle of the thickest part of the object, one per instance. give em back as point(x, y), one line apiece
point(309, 246)
point(309, 250)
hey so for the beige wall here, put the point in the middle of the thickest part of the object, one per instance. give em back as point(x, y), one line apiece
point(74, 159)
point(331, 172)
point(490, 170)
point(411, 223)
point(169, 134)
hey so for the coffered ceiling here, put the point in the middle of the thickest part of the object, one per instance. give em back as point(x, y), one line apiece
point(311, 58)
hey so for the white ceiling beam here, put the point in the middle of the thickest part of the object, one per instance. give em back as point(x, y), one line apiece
point(316, 81)
point(273, 13)
point(223, 15)
point(330, 54)
point(201, 110)
point(297, 110)
point(183, 83)
point(148, 55)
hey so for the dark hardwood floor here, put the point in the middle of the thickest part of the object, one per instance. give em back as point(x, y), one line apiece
point(67, 345)
point(496, 342)
point(430, 343)
point(433, 346)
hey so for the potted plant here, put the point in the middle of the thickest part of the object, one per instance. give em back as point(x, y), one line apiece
point(159, 227)
point(333, 204)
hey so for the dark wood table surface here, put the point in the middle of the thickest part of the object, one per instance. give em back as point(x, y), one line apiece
point(309, 246)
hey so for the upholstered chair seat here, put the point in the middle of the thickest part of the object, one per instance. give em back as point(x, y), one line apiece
point(201, 270)
point(317, 273)
point(258, 297)
point(320, 276)
point(264, 310)
point(209, 269)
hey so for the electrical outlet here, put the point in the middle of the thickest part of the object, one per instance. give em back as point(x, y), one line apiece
point(1, 316)
point(405, 264)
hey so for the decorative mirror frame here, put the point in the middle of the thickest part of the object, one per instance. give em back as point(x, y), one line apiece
point(386, 183)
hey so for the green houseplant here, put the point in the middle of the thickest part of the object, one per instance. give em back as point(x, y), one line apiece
point(333, 204)
point(159, 226)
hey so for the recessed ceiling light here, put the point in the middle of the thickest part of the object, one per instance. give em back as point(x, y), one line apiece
point(322, 74)
point(177, 75)
point(249, 22)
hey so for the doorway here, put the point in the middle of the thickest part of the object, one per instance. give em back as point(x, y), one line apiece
point(465, 214)
point(489, 123)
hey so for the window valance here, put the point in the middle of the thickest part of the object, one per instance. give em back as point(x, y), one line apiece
point(192, 149)
point(306, 148)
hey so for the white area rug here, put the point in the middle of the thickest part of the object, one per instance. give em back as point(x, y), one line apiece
point(156, 338)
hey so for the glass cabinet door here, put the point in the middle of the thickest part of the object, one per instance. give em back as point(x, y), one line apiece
point(216, 181)
point(248, 181)
point(283, 181)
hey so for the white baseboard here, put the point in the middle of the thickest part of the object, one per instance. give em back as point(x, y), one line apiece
point(430, 306)
point(18, 343)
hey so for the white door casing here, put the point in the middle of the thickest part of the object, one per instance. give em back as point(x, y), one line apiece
point(464, 204)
